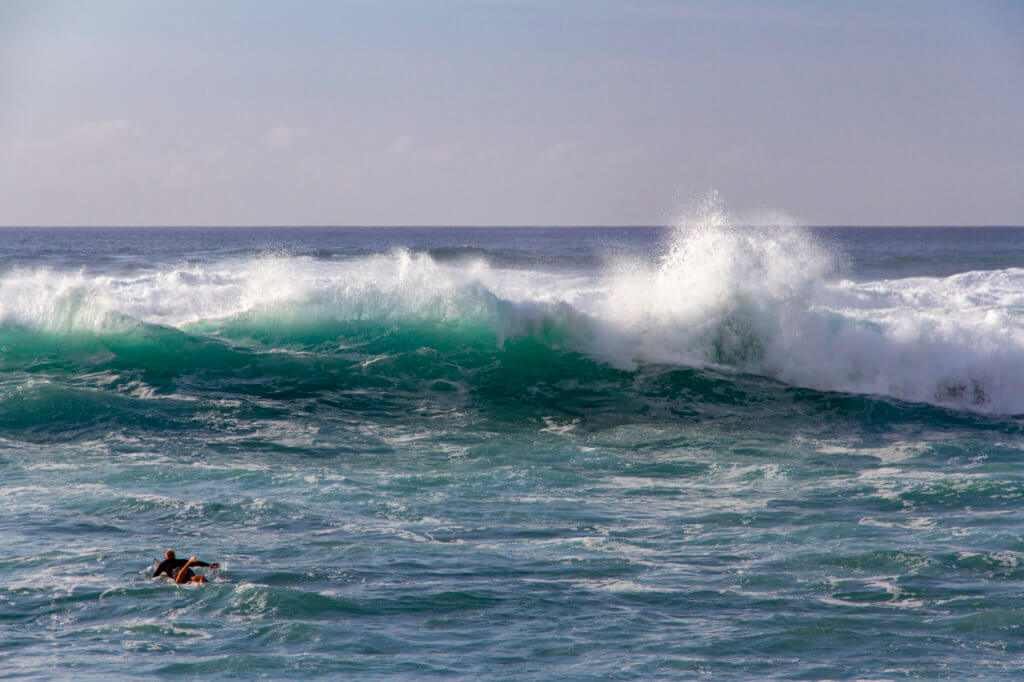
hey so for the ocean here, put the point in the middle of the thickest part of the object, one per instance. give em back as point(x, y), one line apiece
point(513, 453)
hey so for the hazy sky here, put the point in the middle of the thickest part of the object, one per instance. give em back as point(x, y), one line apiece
point(501, 112)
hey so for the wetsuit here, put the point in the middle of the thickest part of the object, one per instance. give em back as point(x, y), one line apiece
point(172, 566)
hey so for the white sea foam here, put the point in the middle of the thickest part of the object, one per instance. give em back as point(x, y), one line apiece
point(768, 301)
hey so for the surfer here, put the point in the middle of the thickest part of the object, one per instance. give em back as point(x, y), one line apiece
point(180, 570)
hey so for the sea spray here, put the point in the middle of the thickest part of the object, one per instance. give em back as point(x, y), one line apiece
point(768, 300)
point(721, 295)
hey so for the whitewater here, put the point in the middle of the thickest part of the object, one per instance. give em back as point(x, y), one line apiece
point(526, 453)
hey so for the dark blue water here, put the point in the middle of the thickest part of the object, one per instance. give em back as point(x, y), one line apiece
point(513, 453)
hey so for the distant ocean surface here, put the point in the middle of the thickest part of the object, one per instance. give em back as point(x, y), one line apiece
point(513, 453)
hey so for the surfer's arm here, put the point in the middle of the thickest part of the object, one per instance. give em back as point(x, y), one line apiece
point(197, 562)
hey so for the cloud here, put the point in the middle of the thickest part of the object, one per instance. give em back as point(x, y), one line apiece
point(558, 151)
point(494, 151)
point(100, 132)
point(443, 152)
point(400, 145)
point(282, 136)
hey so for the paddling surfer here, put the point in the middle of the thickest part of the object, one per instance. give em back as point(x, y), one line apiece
point(180, 570)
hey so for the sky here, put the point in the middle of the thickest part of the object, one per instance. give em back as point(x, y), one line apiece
point(501, 112)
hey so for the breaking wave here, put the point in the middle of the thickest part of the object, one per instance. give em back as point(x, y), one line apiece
point(768, 301)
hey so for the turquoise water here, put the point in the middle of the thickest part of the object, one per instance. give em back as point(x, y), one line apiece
point(513, 453)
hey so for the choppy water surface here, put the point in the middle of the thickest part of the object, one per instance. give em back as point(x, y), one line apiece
point(513, 453)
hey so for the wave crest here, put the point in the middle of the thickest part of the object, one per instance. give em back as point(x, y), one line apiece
point(769, 301)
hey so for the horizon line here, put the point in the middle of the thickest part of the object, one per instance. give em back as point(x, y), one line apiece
point(314, 226)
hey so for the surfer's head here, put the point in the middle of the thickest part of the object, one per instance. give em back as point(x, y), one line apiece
point(170, 554)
